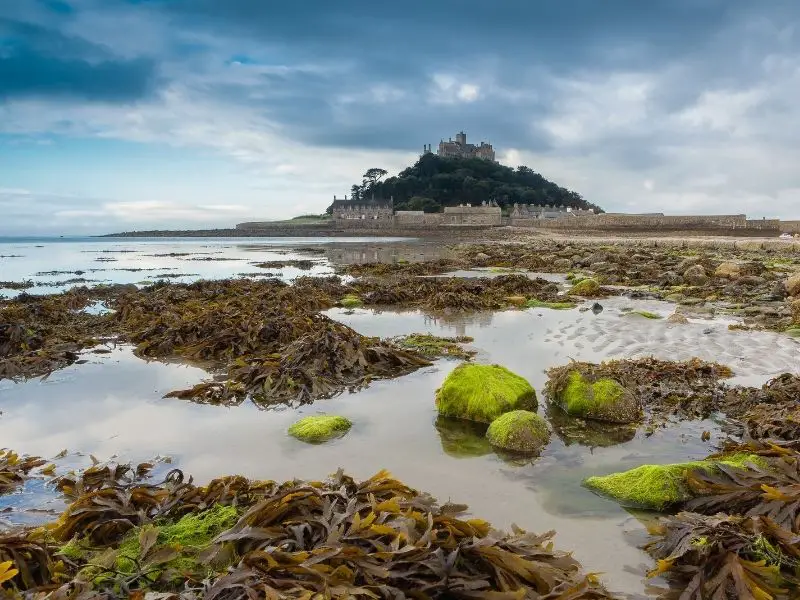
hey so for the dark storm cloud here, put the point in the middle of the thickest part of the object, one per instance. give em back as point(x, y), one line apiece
point(37, 61)
point(514, 51)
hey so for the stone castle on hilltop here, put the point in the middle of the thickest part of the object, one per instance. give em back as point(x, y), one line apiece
point(461, 149)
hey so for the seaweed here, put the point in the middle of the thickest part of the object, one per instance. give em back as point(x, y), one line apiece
point(690, 389)
point(235, 539)
point(723, 557)
point(433, 346)
point(14, 469)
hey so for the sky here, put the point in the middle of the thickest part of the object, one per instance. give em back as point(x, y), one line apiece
point(142, 114)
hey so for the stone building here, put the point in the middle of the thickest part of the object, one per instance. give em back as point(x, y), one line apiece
point(365, 210)
point(460, 148)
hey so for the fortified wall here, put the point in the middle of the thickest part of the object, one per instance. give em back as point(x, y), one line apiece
point(379, 216)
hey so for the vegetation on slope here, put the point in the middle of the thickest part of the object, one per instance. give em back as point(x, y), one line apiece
point(434, 182)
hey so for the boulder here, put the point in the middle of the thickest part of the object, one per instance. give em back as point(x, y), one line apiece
point(794, 306)
point(562, 264)
point(688, 262)
point(656, 487)
point(586, 287)
point(728, 270)
point(670, 278)
point(751, 280)
point(678, 319)
point(320, 428)
point(792, 285)
point(481, 256)
point(519, 431)
point(601, 400)
point(695, 275)
point(483, 392)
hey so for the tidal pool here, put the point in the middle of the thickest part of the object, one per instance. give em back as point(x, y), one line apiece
point(113, 406)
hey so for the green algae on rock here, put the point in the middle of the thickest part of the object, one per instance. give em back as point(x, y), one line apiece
point(657, 487)
point(432, 346)
point(182, 540)
point(645, 313)
point(587, 288)
point(320, 428)
point(351, 301)
point(603, 399)
point(483, 392)
point(534, 303)
point(519, 431)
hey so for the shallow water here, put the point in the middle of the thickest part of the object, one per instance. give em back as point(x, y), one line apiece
point(113, 406)
point(51, 263)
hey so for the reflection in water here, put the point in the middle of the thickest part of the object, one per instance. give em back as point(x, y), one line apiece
point(463, 439)
point(585, 432)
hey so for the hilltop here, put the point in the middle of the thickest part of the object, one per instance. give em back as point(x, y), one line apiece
point(434, 182)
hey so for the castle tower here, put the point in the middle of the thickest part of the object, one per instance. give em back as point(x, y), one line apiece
point(461, 138)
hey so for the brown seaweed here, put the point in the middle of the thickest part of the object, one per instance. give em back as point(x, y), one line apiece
point(337, 539)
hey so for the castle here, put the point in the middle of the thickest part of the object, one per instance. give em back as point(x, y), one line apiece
point(460, 148)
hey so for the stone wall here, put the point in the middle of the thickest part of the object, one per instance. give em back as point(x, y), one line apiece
point(417, 218)
point(487, 216)
point(612, 222)
point(790, 226)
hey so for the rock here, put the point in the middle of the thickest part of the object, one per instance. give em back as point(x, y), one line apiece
point(779, 290)
point(602, 400)
point(686, 263)
point(676, 297)
point(597, 308)
point(794, 306)
point(519, 431)
point(657, 487)
point(320, 428)
point(351, 301)
point(670, 278)
point(483, 392)
point(751, 280)
point(728, 270)
point(481, 256)
point(695, 275)
point(601, 266)
point(586, 287)
point(792, 285)
point(678, 319)
point(562, 264)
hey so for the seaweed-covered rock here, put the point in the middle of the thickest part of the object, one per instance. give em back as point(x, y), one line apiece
point(519, 431)
point(320, 428)
point(657, 487)
point(483, 392)
point(603, 400)
point(695, 275)
point(792, 285)
point(728, 270)
point(585, 287)
point(677, 318)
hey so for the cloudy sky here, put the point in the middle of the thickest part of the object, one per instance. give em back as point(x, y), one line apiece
point(134, 114)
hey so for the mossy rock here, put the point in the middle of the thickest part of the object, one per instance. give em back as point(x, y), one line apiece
point(603, 400)
point(178, 543)
point(657, 487)
point(351, 301)
point(645, 313)
point(534, 303)
point(585, 287)
point(483, 392)
point(320, 428)
point(519, 431)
